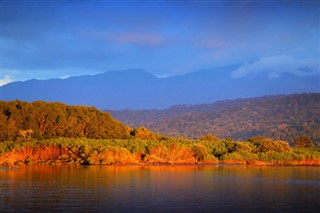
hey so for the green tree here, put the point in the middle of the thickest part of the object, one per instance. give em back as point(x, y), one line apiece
point(200, 152)
point(143, 133)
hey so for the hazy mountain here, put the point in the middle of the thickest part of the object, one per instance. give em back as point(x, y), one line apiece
point(138, 89)
point(284, 117)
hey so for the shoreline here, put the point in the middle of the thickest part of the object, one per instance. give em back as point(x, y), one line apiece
point(315, 163)
point(68, 151)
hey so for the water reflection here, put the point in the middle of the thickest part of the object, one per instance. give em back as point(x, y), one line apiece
point(160, 189)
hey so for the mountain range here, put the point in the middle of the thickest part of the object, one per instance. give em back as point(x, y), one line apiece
point(138, 89)
point(284, 117)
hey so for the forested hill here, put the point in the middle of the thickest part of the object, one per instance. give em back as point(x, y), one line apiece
point(40, 120)
point(284, 117)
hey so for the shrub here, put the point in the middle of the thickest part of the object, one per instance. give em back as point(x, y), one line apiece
point(264, 144)
point(245, 146)
point(272, 156)
point(219, 148)
point(232, 156)
point(200, 152)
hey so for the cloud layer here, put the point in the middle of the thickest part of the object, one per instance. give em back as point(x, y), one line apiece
point(276, 65)
point(64, 38)
point(5, 80)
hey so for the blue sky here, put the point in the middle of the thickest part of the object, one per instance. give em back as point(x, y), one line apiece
point(49, 39)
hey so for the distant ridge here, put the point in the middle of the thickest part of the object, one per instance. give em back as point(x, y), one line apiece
point(138, 89)
point(284, 117)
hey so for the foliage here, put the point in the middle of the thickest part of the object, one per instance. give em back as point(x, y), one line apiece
point(283, 117)
point(266, 144)
point(303, 142)
point(234, 156)
point(52, 120)
point(219, 148)
point(172, 151)
point(209, 137)
point(200, 152)
point(272, 156)
point(143, 133)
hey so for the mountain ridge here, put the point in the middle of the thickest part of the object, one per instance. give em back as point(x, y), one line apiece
point(139, 89)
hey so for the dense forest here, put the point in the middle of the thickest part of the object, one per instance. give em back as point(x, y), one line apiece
point(55, 133)
point(281, 117)
point(20, 121)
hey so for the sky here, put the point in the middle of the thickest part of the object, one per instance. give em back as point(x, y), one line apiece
point(58, 39)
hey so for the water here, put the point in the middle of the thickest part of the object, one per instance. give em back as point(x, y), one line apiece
point(160, 189)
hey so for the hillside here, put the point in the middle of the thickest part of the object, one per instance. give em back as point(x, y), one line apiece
point(138, 89)
point(21, 121)
point(283, 117)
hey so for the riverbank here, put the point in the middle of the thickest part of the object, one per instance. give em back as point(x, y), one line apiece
point(68, 151)
point(18, 165)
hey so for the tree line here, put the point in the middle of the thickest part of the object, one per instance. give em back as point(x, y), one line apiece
point(21, 120)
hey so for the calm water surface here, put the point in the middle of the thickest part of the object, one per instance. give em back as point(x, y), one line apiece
point(160, 189)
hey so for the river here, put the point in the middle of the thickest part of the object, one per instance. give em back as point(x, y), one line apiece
point(215, 188)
